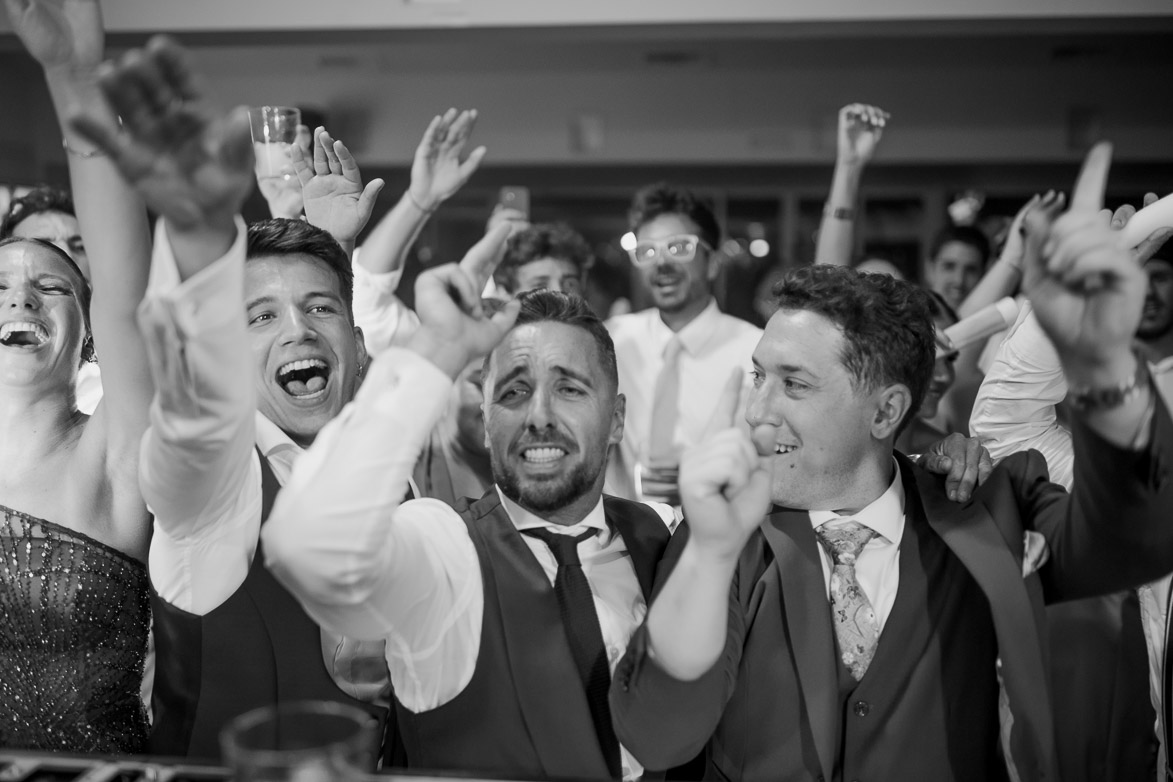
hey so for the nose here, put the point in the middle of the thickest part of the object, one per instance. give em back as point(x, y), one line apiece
point(296, 328)
point(759, 410)
point(24, 296)
point(540, 413)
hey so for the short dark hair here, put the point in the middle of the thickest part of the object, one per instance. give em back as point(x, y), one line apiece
point(662, 198)
point(965, 234)
point(42, 198)
point(279, 236)
point(543, 240)
point(888, 333)
point(556, 307)
point(84, 291)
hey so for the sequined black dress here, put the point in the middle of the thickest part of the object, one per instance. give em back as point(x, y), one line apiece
point(74, 616)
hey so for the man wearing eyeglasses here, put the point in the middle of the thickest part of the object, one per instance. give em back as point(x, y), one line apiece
point(673, 359)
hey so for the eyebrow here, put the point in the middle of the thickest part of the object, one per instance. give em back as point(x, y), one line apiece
point(522, 369)
point(311, 295)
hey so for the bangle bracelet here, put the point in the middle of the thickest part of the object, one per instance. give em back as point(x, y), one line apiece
point(95, 152)
point(839, 212)
point(417, 204)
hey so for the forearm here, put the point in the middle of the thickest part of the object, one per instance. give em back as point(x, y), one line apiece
point(836, 242)
point(335, 537)
point(385, 249)
point(1124, 425)
point(1015, 405)
point(1002, 280)
point(203, 414)
point(687, 622)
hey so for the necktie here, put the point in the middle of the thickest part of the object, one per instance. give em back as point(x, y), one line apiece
point(581, 624)
point(1167, 693)
point(856, 626)
point(665, 409)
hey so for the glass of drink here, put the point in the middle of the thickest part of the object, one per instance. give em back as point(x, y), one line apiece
point(304, 741)
point(274, 130)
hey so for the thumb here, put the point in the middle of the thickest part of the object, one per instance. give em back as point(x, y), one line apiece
point(366, 201)
point(480, 261)
point(470, 165)
point(1037, 225)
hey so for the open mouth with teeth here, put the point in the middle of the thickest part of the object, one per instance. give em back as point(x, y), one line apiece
point(305, 378)
point(782, 450)
point(23, 334)
point(542, 455)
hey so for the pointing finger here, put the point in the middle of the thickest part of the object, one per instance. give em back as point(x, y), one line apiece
point(1088, 195)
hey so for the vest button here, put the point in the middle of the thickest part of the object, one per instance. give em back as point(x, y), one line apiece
point(862, 708)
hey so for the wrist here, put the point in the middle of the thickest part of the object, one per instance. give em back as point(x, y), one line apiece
point(422, 204)
point(449, 356)
point(1094, 383)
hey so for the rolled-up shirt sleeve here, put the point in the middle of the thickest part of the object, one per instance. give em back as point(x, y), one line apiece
point(1015, 406)
point(196, 464)
point(383, 317)
point(366, 565)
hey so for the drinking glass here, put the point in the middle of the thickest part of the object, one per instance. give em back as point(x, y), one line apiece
point(304, 741)
point(274, 131)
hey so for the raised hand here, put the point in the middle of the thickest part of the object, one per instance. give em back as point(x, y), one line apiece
point(63, 35)
point(1085, 286)
point(1147, 248)
point(724, 483)
point(860, 129)
point(437, 171)
point(192, 167)
point(1051, 203)
point(332, 190)
point(453, 327)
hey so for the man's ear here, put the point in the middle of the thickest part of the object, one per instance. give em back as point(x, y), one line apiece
point(360, 346)
point(713, 266)
point(893, 403)
point(617, 418)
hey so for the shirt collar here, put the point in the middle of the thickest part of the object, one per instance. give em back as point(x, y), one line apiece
point(885, 514)
point(694, 335)
point(271, 440)
point(522, 519)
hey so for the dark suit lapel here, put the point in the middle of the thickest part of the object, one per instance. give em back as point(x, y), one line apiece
point(645, 538)
point(971, 534)
point(808, 619)
point(552, 700)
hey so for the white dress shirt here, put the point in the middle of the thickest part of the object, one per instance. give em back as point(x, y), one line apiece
point(878, 566)
point(198, 467)
point(365, 565)
point(713, 345)
point(1015, 410)
point(383, 318)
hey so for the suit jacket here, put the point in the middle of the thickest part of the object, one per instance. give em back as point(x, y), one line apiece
point(1113, 532)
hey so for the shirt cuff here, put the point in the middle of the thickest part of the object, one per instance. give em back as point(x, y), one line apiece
point(384, 284)
point(206, 300)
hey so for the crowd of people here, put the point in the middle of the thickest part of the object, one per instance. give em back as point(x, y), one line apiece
point(534, 543)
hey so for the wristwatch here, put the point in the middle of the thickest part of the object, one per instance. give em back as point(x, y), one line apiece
point(1086, 400)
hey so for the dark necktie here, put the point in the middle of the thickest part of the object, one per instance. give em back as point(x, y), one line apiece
point(1167, 694)
point(581, 624)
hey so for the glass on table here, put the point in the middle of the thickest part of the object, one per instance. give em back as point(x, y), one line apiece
point(306, 741)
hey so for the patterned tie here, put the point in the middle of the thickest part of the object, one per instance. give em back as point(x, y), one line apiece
point(856, 626)
point(665, 409)
point(581, 623)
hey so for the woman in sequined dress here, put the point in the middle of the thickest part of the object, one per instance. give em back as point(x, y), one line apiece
point(74, 604)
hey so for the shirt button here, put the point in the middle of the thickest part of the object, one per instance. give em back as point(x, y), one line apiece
point(612, 653)
point(862, 708)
